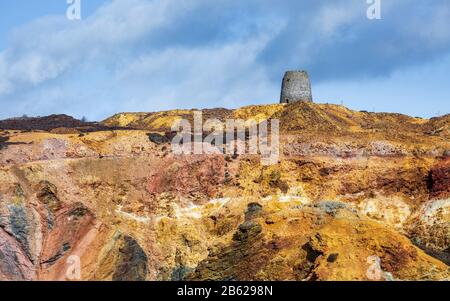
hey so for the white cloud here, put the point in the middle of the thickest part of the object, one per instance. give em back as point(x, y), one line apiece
point(330, 18)
point(192, 77)
point(46, 49)
point(150, 55)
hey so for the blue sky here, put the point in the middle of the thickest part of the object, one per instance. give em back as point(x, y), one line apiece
point(148, 55)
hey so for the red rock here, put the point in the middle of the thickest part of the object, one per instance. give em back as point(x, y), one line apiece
point(440, 180)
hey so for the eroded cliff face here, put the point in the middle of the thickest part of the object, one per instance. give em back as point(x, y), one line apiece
point(354, 196)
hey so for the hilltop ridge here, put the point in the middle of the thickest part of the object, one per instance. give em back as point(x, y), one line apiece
point(294, 117)
point(298, 117)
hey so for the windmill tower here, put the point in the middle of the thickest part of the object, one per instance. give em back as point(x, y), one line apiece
point(296, 87)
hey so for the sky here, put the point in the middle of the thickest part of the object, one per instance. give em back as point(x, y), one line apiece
point(152, 55)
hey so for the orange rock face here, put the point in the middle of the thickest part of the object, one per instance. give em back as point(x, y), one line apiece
point(353, 196)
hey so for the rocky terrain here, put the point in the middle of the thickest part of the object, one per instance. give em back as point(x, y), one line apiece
point(354, 196)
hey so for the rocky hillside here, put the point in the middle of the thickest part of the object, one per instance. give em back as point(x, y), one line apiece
point(61, 124)
point(354, 196)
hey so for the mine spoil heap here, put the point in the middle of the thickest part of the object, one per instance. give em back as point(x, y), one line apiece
point(352, 192)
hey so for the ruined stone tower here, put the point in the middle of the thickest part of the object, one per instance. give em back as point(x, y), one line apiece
point(296, 87)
